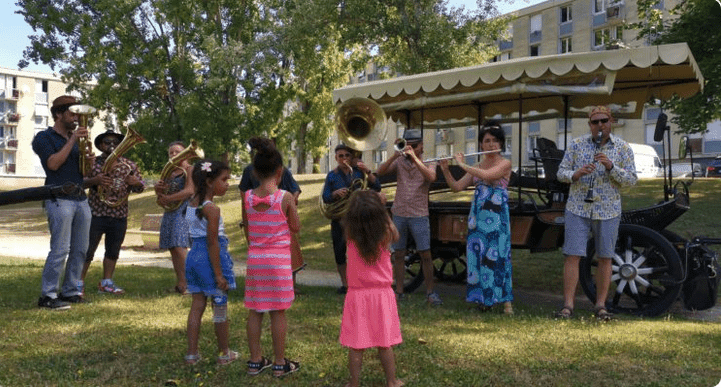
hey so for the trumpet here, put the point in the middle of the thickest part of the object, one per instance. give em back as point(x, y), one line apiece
point(464, 155)
point(84, 112)
point(128, 142)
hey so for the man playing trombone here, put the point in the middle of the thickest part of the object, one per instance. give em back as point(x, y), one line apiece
point(410, 209)
point(339, 183)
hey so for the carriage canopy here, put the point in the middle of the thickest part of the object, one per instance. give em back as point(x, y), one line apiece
point(547, 86)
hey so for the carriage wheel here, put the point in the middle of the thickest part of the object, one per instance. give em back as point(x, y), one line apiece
point(646, 272)
point(449, 265)
point(414, 272)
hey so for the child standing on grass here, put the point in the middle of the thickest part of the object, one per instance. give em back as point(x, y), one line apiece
point(370, 314)
point(271, 216)
point(208, 268)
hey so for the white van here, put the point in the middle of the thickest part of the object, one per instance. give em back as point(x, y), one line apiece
point(648, 164)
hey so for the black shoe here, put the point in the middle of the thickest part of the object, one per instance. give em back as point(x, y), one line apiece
point(342, 290)
point(52, 303)
point(73, 299)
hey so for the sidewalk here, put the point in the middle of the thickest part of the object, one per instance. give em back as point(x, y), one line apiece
point(15, 242)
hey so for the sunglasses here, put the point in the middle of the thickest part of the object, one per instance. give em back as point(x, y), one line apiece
point(111, 141)
point(599, 121)
point(344, 155)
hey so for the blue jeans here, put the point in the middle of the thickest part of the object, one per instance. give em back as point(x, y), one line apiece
point(69, 223)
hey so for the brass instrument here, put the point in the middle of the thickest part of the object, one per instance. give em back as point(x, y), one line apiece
point(191, 152)
point(84, 112)
point(131, 139)
point(361, 124)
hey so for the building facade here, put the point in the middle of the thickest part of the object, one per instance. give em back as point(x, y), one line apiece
point(25, 100)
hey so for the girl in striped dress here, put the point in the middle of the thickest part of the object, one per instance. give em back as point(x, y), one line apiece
point(208, 268)
point(271, 216)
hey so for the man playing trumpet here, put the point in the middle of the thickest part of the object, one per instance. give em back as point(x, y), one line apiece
point(338, 186)
point(410, 209)
point(68, 215)
point(110, 218)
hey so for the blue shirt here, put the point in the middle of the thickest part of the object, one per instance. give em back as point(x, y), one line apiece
point(336, 179)
point(249, 182)
point(607, 184)
point(49, 142)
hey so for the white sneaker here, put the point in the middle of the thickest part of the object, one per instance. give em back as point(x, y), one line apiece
point(110, 288)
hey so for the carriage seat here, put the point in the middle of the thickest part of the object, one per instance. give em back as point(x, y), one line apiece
point(550, 157)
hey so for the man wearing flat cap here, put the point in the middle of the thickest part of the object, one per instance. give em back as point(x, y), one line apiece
point(410, 210)
point(110, 212)
point(596, 165)
point(68, 215)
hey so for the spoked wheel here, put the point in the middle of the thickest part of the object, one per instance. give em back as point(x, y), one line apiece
point(646, 272)
point(449, 265)
point(414, 272)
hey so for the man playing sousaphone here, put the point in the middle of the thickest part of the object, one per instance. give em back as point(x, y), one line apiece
point(338, 185)
point(109, 205)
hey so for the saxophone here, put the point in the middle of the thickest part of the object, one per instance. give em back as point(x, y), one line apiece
point(192, 152)
point(131, 139)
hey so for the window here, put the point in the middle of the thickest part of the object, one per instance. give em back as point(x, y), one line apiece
point(564, 45)
point(536, 23)
point(379, 156)
point(45, 86)
point(471, 147)
point(712, 138)
point(471, 133)
point(607, 36)
point(598, 6)
point(503, 57)
point(535, 50)
point(561, 124)
point(508, 131)
point(566, 14)
point(534, 127)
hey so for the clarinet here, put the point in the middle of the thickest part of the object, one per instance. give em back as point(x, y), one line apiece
point(589, 193)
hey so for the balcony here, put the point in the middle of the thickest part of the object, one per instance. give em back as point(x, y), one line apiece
point(12, 94)
point(9, 168)
point(12, 143)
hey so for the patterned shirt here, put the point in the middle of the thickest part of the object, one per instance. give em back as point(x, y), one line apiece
point(412, 187)
point(118, 174)
point(606, 193)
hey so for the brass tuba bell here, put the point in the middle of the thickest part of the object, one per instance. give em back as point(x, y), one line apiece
point(361, 124)
point(131, 139)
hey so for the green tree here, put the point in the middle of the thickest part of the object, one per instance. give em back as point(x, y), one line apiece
point(698, 25)
point(174, 69)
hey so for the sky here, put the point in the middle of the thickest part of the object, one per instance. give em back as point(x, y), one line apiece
point(14, 31)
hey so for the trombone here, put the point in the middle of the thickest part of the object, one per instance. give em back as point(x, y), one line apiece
point(464, 155)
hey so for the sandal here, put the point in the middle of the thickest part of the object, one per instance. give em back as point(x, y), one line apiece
point(254, 368)
point(285, 369)
point(508, 309)
point(225, 359)
point(565, 313)
point(602, 314)
point(192, 359)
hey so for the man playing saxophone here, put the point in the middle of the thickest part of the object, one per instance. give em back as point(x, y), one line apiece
point(68, 215)
point(109, 205)
point(338, 185)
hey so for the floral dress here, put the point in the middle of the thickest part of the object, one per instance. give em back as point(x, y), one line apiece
point(488, 248)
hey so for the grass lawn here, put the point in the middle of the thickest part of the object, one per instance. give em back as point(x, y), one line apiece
point(139, 339)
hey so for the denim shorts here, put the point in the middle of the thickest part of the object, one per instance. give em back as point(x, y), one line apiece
point(418, 227)
point(579, 229)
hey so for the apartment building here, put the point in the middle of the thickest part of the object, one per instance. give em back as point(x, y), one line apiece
point(554, 27)
point(25, 100)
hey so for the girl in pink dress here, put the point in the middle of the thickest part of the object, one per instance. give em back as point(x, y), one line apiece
point(271, 216)
point(370, 314)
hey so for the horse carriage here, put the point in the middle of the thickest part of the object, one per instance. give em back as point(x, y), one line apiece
point(653, 266)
